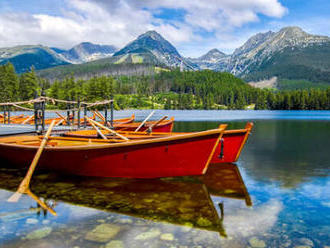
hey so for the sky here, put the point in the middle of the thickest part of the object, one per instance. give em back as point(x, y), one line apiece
point(192, 26)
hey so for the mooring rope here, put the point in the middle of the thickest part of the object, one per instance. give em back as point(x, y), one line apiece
point(53, 100)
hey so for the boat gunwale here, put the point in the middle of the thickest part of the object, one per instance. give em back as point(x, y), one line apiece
point(161, 124)
point(87, 146)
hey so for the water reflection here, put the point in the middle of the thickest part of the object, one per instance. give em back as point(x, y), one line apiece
point(184, 201)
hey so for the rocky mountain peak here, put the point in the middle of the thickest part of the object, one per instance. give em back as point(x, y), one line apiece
point(212, 56)
point(213, 53)
point(253, 42)
point(151, 34)
point(292, 32)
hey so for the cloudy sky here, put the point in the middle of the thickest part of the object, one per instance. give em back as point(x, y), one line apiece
point(193, 26)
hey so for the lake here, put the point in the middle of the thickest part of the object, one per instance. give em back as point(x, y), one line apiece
point(276, 195)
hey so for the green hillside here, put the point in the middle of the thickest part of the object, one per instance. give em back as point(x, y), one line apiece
point(39, 59)
point(310, 63)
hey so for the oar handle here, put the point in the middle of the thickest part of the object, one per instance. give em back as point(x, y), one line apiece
point(105, 128)
point(99, 115)
point(144, 121)
point(156, 123)
point(95, 127)
point(27, 120)
point(60, 115)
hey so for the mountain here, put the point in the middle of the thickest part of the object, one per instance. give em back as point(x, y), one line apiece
point(24, 57)
point(289, 53)
point(151, 47)
point(86, 52)
point(213, 60)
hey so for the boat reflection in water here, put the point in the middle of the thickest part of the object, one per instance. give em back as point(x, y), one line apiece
point(180, 200)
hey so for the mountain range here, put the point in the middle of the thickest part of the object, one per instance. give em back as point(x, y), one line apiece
point(290, 53)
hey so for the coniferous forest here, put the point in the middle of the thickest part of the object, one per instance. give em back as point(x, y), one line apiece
point(164, 90)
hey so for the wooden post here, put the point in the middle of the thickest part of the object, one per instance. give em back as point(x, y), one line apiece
point(35, 106)
point(85, 115)
point(111, 113)
point(4, 114)
point(78, 125)
point(72, 111)
point(68, 112)
point(39, 114)
point(43, 107)
point(105, 114)
point(8, 117)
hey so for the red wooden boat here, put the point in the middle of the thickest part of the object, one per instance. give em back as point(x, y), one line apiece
point(228, 150)
point(175, 155)
point(231, 144)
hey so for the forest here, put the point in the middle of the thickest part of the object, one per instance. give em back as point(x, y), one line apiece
point(163, 90)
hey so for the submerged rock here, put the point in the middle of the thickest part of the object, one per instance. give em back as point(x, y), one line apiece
point(40, 233)
point(45, 222)
point(102, 233)
point(31, 221)
point(125, 221)
point(306, 241)
point(153, 233)
point(167, 237)
point(257, 243)
point(115, 244)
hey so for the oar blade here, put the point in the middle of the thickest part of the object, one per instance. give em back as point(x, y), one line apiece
point(15, 197)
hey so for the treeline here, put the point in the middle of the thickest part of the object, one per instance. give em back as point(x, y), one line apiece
point(166, 90)
point(313, 99)
point(14, 87)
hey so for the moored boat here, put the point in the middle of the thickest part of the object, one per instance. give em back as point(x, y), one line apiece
point(231, 144)
point(228, 150)
point(175, 155)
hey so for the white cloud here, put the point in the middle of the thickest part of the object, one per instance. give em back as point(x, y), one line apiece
point(118, 22)
point(253, 221)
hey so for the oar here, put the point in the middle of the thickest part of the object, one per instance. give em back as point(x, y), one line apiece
point(99, 115)
point(95, 127)
point(105, 128)
point(40, 202)
point(27, 120)
point(142, 123)
point(60, 122)
point(60, 115)
point(156, 123)
point(24, 186)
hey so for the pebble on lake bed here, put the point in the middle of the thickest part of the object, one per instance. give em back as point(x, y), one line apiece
point(40, 233)
point(31, 221)
point(306, 241)
point(153, 233)
point(115, 244)
point(102, 233)
point(167, 237)
point(257, 243)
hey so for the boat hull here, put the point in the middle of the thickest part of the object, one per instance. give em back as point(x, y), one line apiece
point(167, 157)
point(231, 145)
